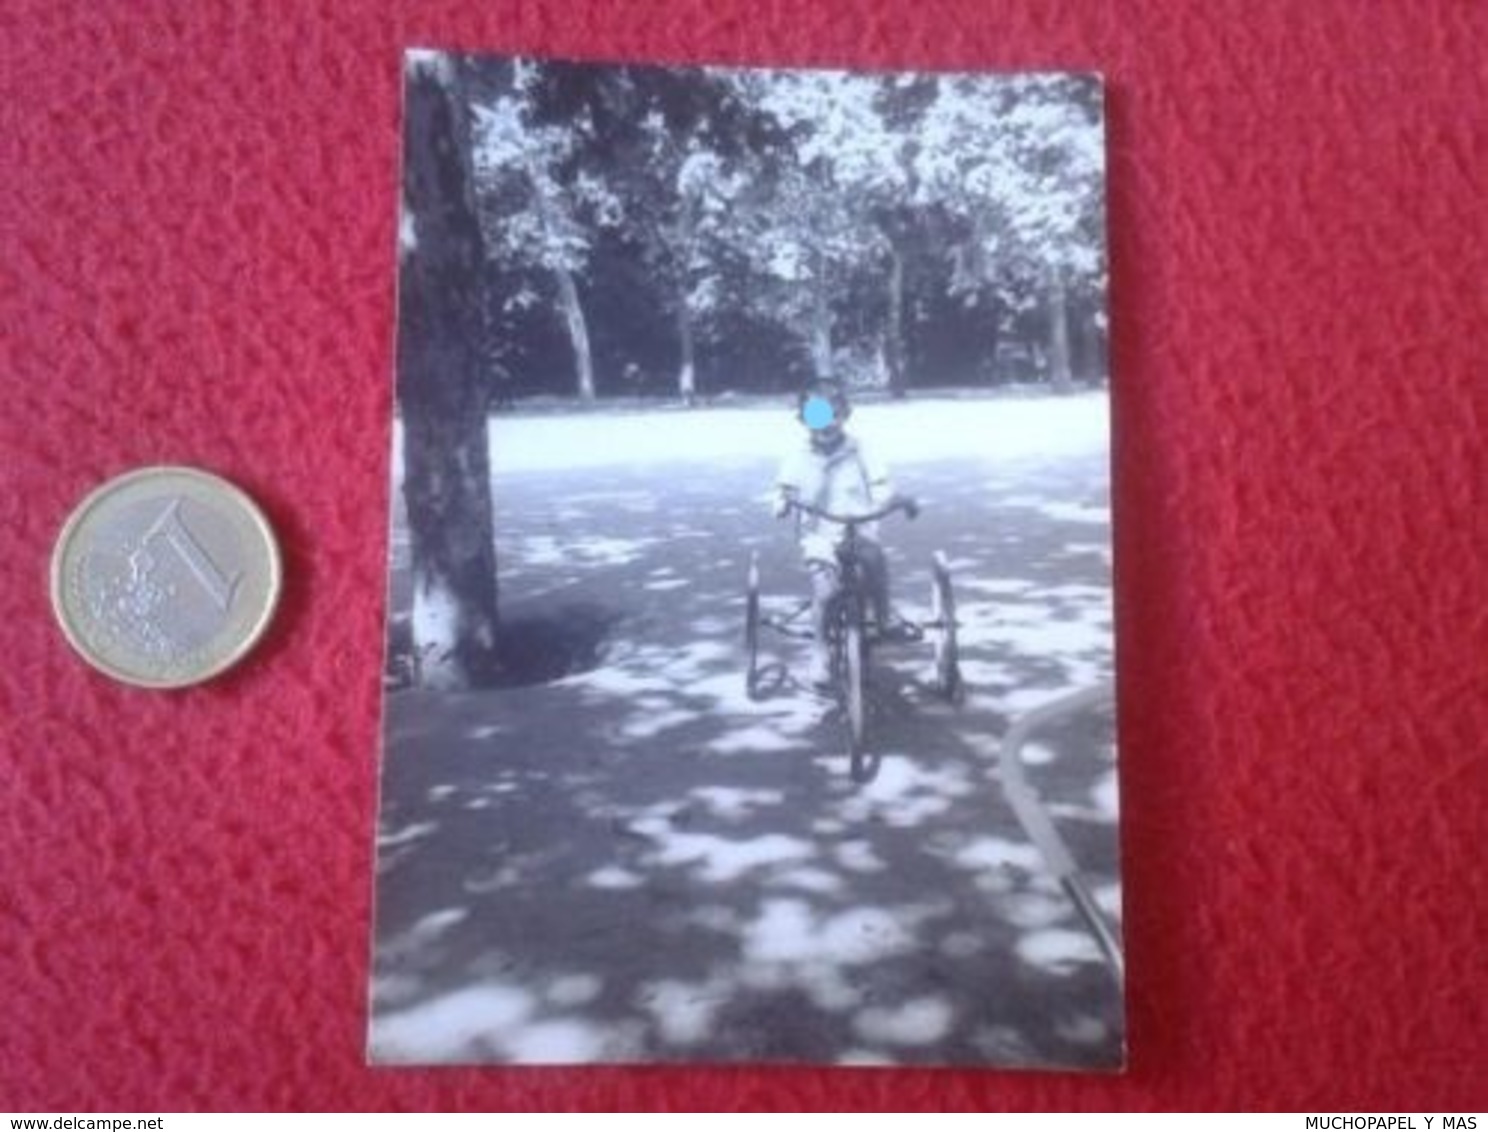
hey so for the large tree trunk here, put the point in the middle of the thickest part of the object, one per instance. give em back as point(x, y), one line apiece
point(447, 479)
point(578, 331)
point(1061, 376)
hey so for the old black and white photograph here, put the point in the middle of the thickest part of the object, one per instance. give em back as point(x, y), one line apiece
point(749, 692)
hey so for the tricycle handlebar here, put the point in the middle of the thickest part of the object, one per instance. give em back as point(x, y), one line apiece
point(898, 503)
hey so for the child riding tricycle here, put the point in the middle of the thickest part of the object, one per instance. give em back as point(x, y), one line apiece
point(837, 497)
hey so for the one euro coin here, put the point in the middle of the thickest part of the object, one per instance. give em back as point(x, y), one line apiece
point(165, 577)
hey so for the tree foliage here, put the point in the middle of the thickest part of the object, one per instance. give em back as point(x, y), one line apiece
point(705, 230)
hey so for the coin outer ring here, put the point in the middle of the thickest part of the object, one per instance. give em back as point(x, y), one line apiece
point(212, 483)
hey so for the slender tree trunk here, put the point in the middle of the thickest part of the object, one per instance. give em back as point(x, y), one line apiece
point(687, 374)
point(894, 340)
point(446, 480)
point(1061, 376)
point(568, 294)
point(821, 325)
point(684, 240)
point(821, 347)
point(578, 331)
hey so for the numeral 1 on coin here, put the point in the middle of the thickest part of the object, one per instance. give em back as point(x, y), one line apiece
point(219, 586)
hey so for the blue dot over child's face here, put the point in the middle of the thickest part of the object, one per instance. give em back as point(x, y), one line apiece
point(817, 412)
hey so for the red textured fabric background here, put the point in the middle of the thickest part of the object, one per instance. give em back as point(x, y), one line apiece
point(197, 266)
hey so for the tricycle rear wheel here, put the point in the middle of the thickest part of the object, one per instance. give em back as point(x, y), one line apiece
point(948, 680)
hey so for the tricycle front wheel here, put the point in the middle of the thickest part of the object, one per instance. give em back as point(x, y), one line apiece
point(852, 692)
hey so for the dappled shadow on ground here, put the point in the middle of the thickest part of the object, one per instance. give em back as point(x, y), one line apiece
point(635, 861)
